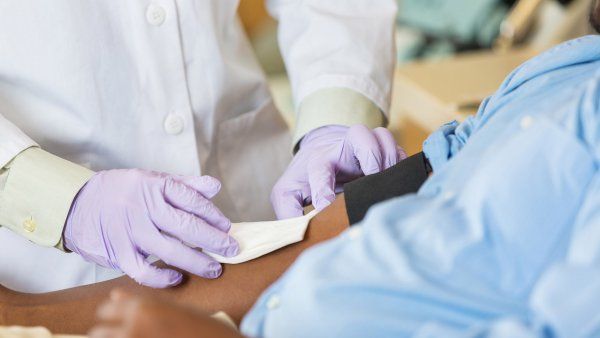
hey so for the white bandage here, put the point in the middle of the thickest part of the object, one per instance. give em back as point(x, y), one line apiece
point(260, 238)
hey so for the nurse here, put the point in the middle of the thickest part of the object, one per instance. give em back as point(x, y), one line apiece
point(120, 122)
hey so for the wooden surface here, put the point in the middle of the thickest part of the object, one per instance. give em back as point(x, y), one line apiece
point(435, 92)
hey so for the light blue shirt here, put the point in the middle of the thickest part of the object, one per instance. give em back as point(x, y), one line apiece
point(502, 241)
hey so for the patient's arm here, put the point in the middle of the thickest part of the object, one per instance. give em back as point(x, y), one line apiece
point(124, 316)
point(73, 310)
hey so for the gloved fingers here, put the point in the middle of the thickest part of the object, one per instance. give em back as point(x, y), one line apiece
point(365, 149)
point(187, 199)
point(401, 153)
point(135, 266)
point(195, 231)
point(208, 186)
point(287, 199)
point(388, 146)
point(321, 178)
point(174, 253)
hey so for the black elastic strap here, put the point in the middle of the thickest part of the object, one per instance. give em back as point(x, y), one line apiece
point(404, 178)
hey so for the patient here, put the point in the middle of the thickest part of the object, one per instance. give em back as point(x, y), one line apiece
point(503, 240)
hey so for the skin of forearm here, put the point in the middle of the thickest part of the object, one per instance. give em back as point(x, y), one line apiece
point(73, 310)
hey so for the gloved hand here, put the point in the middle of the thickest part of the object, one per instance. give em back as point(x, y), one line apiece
point(328, 158)
point(120, 217)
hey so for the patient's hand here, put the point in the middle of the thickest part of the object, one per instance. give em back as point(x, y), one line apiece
point(125, 316)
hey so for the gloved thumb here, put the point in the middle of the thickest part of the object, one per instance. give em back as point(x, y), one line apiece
point(147, 274)
point(321, 178)
point(287, 203)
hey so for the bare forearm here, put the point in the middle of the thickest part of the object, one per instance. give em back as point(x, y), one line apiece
point(73, 310)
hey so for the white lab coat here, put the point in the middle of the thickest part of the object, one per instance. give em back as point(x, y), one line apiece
point(166, 85)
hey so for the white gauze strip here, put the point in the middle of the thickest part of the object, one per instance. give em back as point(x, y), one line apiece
point(260, 238)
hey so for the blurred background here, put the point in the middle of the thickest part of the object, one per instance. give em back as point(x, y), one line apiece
point(451, 54)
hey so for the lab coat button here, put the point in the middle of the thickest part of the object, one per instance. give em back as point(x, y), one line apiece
point(273, 302)
point(174, 124)
point(29, 225)
point(156, 15)
point(526, 122)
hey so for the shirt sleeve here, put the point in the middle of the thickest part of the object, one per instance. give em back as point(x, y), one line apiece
point(36, 192)
point(449, 139)
point(337, 44)
point(12, 141)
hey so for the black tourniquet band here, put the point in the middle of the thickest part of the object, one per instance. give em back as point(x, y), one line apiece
point(404, 178)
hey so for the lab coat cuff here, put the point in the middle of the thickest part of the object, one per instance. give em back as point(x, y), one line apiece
point(379, 96)
point(336, 106)
point(38, 194)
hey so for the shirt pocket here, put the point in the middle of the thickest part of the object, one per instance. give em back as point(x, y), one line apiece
point(523, 198)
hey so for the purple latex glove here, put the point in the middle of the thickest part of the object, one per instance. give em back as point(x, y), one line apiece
point(120, 217)
point(328, 158)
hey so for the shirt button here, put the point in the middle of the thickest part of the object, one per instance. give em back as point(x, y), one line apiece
point(174, 124)
point(156, 15)
point(273, 302)
point(355, 232)
point(526, 122)
point(448, 195)
point(29, 224)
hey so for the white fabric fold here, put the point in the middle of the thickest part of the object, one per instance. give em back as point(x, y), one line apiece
point(257, 239)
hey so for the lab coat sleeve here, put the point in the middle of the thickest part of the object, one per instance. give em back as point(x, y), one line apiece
point(337, 44)
point(338, 106)
point(12, 141)
point(36, 192)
